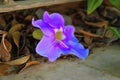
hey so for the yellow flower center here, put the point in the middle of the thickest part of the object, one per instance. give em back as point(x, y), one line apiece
point(59, 35)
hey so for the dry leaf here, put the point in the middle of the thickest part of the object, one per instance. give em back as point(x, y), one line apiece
point(2, 21)
point(16, 38)
point(15, 28)
point(6, 43)
point(108, 33)
point(88, 40)
point(4, 68)
point(29, 18)
point(15, 34)
point(25, 51)
point(97, 24)
point(5, 48)
point(2, 32)
point(14, 22)
point(19, 61)
point(114, 11)
point(107, 2)
point(28, 64)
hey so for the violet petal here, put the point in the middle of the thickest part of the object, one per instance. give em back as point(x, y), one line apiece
point(46, 29)
point(78, 50)
point(55, 20)
point(47, 48)
point(69, 32)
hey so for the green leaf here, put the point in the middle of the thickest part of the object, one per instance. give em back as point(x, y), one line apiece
point(115, 3)
point(37, 34)
point(115, 31)
point(92, 5)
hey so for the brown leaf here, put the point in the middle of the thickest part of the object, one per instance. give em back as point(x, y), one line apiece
point(19, 61)
point(16, 37)
point(14, 22)
point(97, 24)
point(107, 2)
point(108, 33)
point(6, 43)
point(88, 40)
point(2, 21)
point(15, 34)
point(5, 48)
point(2, 32)
point(29, 18)
point(28, 64)
point(15, 28)
point(4, 68)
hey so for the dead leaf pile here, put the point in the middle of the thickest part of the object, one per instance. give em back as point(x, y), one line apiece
point(5, 48)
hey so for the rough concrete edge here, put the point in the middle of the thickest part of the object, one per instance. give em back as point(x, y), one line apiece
point(34, 4)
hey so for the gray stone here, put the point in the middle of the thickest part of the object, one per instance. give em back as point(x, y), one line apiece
point(39, 13)
point(68, 20)
point(106, 59)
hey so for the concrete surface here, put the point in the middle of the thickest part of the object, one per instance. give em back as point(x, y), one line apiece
point(102, 65)
point(106, 59)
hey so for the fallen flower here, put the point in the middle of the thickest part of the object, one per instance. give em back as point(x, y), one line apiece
point(58, 39)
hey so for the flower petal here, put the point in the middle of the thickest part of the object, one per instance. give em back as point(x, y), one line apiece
point(81, 53)
point(62, 45)
point(54, 53)
point(46, 29)
point(55, 20)
point(47, 48)
point(37, 23)
point(69, 33)
point(77, 49)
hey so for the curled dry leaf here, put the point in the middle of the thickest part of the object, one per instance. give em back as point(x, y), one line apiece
point(15, 34)
point(15, 28)
point(5, 48)
point(19, 61)
point(28, 64)
point(8, 67)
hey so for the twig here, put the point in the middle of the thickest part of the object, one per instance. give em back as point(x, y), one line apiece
point(88, 33)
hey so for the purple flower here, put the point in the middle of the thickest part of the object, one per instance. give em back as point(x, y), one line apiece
point(58, 39)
